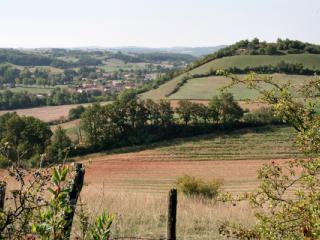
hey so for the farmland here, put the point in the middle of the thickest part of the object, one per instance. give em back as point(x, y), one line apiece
point(35, 89)
point(133, 182)
point(47, 114)
point(309, 60)
point(207, 87)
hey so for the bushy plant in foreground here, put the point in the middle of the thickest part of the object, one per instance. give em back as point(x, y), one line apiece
point(286, 204)
point(41, 207)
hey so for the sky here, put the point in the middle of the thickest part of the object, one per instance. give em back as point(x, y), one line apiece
point(154, 23)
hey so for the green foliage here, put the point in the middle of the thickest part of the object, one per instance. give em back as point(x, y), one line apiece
point(126, 96)
point(75, 113)
point(51, 221)
point(101, 229)
point(256, 47)
point(185, 110)
point(23, 137)
point(58, 96)
point(224, 109)
point(60, 146)
point(294, 64)
point(192, 186)
point(286, 204)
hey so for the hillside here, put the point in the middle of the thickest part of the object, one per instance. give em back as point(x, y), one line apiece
point(241, 59)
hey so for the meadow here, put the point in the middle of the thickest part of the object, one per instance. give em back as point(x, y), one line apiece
point(207, 87)
point(311, 61)
point(35, 89)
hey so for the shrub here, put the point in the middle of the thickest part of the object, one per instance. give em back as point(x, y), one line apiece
point(192, 186)
point(75, 113)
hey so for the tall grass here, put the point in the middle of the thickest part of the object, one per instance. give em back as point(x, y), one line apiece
point(145, 215)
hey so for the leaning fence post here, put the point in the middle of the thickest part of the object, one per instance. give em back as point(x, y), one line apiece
point(172, 214)
point(74, 193)
point(2, 194)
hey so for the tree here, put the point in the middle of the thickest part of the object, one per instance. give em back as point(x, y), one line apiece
point(127, 95)
point(90, 123)
point(153, 112)
point(286, 204)
point(166, 113)
point(60, 146)
point(75, 113)
point(24, 137)
point(184, 110)
point(224, 109)
point(271, 49)
point(201, 111)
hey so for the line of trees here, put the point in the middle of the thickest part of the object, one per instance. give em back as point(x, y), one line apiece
point(253, 47)
point(131, 121)
point(128, 121)
point(32, 59)
point(257, 47)
point(44, 77)
point(15, 100)
point(281, 67)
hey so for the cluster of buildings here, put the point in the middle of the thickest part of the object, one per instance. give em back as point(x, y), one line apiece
point(111, 87)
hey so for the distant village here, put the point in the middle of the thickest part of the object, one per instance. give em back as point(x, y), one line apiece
point(105, 84)
point(111, 86)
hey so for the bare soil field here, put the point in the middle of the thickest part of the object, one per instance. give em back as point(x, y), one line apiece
point(134, 187)
point(48, 113)
point(133, 172)
point(133, 183)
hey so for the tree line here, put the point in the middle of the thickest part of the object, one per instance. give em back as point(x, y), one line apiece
point(58, 96)
point(44, 77)
point(131, 121)
point(257, 47)
point(246, 47)
point(127, 121)
point(32, 59)
point(281, 67)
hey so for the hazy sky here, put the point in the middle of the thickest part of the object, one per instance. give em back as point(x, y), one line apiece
point(154, 23)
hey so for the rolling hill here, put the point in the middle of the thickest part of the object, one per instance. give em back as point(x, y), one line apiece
point(241, 58)
point(210, 85)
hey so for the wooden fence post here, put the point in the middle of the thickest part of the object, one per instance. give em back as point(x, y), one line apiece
point(172, 214)
point(75, 190)
point(2, 194)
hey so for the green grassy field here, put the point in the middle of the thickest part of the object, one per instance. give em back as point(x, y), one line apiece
point(308, 60)
point(270, 142)
point(113, 65)
point(35, 89)
point(206, 88)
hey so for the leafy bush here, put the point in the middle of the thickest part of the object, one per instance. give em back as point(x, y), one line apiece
point(192, 186)
point(42, 208)
point(286, 203)
point(75, 113)
point(101, 229)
